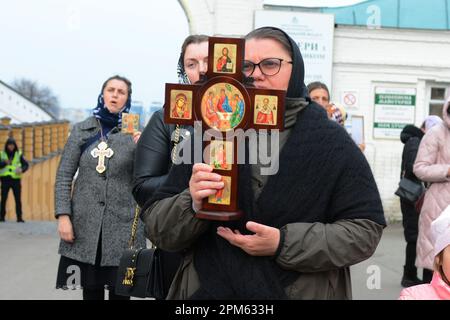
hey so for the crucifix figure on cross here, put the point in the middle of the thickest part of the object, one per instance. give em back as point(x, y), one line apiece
point(223, 104)
point(101, 152)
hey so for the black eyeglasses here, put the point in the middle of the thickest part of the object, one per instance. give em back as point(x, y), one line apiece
point(268, 67)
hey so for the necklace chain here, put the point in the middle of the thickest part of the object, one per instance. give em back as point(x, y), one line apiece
point(102, 137)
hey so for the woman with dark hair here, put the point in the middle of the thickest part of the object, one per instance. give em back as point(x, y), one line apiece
point(157, 146)
point(12, 166)
point(319, 93)
point(95, 213)
point(303, 227)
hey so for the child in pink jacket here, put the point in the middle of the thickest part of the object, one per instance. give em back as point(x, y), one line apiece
point(439, 288)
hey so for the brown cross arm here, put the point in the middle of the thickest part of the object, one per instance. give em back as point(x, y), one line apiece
point(275, 108)
point(180, 102)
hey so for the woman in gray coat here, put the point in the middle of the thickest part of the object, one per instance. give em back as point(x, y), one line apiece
point(95, 213)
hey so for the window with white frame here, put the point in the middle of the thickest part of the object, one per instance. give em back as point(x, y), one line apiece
point(437, 95)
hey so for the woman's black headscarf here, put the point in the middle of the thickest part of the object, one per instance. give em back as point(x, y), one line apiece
point(297, 87)
point(226, 271)
point(217, 261)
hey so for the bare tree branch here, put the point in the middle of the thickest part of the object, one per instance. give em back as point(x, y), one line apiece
point(40, 95)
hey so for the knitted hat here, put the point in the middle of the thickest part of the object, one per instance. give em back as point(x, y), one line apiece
point(440, 231)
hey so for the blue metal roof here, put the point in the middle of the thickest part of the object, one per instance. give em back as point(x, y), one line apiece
point(408, 14)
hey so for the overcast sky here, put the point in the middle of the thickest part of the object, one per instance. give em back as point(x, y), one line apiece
point(73, 45)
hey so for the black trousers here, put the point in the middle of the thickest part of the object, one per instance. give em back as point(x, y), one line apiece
point(14, 184)
point(410, 261)
point(99, 292)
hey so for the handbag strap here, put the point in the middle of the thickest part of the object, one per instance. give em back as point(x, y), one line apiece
point(137, 210)
point(176, 141)
point(134, 230)
point(134, 227)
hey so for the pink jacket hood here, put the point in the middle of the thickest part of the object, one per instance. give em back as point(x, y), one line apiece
point(436, 290)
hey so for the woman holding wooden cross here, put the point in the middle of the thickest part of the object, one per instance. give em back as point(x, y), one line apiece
point(302, 228)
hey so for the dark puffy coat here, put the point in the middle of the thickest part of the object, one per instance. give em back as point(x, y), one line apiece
point(411, 137)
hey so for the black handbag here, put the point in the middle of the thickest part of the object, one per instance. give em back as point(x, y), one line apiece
point(409, 190)
point(140, 272)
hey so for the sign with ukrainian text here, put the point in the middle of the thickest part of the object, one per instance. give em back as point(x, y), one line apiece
point(394, 109)
point(313, 33)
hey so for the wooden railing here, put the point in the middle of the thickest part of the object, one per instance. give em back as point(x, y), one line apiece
point(41, 144)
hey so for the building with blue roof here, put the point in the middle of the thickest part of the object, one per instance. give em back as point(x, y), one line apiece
point(390, 65)
point(384, 60)
point(402, 14)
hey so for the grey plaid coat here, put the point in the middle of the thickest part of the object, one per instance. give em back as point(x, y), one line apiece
point(99, 204)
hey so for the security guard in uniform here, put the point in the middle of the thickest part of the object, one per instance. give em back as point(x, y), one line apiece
point(12, 166)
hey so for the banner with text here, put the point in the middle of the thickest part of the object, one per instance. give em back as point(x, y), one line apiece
point(394, 109)
point(313, 33)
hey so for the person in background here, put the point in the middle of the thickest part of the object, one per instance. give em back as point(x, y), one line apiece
point(95, 212)
point(432, 165)
point(319, 93)
point(12, 166)
point(411, 137)
point(430, 122)
point(159, 142)
point(439, 288)
point(154, 150)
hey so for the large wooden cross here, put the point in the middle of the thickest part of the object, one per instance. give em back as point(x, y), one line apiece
point(223, 103)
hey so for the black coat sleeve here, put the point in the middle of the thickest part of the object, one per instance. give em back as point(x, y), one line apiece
point(24, 164)
point(152, 160)
point(410, 154)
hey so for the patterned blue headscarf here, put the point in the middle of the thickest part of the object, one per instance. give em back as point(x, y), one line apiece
point(107, 118)
point(181, 72)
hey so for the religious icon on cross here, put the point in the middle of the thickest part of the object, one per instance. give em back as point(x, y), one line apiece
point(223, 103)
point(101, 152)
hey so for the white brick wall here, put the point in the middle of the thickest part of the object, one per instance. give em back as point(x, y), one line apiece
point(221, 17)
point(364, 59)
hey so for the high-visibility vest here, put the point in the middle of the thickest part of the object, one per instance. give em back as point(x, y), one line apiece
point(10, 170)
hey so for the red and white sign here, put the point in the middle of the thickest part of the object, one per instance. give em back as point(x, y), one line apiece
point(350, 99)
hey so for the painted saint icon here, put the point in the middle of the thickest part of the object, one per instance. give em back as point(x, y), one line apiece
point(225, 58)
point(237, 105)
point(130, 123)
point(221, 154)
point(223, 106)
point(222, 196)
point(266, 110)
point(181, 104)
